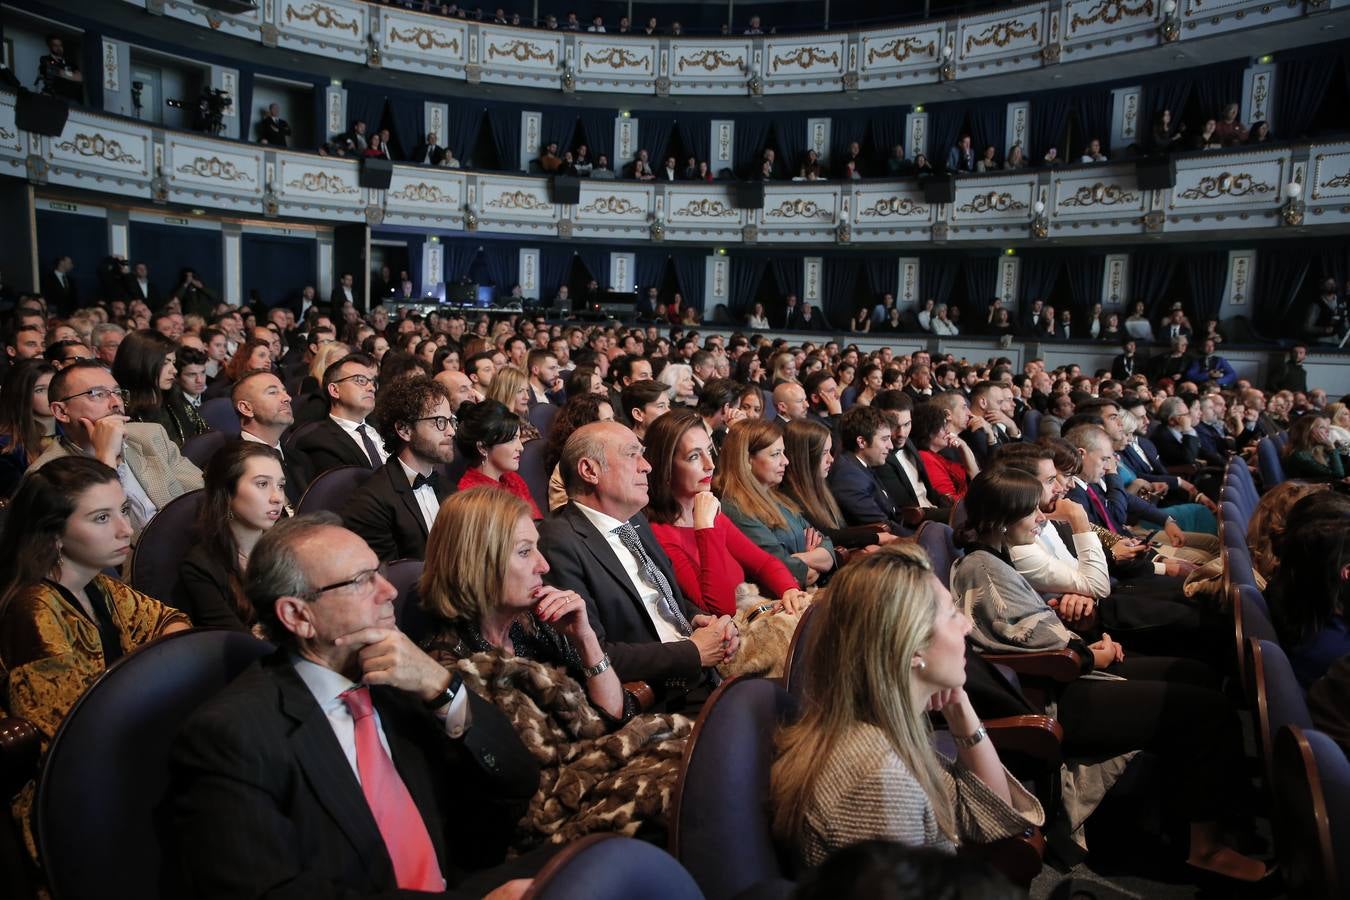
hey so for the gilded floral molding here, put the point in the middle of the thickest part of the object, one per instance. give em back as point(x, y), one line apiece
point(423, 38)
point(900, 50)
point(321, 183)
point(612, 206)
point(1100, 195)
point(423, 193)
point(799, 209)
point(711, 61)
point(805, 58)
point(96, 145)
point(522, 51)
point(616, 58)
point(992, 202)
point(893, 206)
point(1109, 12)
point(1001, 34)
point(214, 167)
point(6, 134)
point(705, 208)
point(325, 17)
point(520, 200)
point(1336, 181)
point(1212, 187)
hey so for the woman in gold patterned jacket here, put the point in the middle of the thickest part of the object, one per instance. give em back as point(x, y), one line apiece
point(62, 621)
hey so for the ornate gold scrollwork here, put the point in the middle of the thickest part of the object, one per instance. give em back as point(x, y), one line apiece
point(1001, 34)
point(893, 206)
point(323, 183)
point(7, 135)
point(616, 58)
point(706, 208)
point(900, 50)
point(1212, 187)
point(612, 205)
point(1337, 181)
point(96, 145)
point(423, 38)
point(992, 202)
point(423, 193)
point(805, 58)
point(520, 200)
point(324, 17)
point(1109, 12)
point(799, 209)
point(711, 61)
point(214, 167)
point(522, 51)
point(1099, 195)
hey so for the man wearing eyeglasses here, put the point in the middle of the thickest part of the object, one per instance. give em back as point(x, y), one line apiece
point(345, 438)
point(90, 411)
point(348, 763)
point(396, 507)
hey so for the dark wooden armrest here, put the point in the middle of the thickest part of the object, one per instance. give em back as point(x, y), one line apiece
point(1036, 736)
point(1018, 858)
point(1056, 665)
point(911, 516)
point(643, 693)
point(20, 743)
point(1185, 470)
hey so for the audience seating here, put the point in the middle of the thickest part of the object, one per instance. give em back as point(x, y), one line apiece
point(20, 745)
point(1232, 521)
point(794, 667)
point(609, 867)
point(199, 450)
point(164, 542)
point(541, 416)
point(1279, 699)
point(330, 490)
point(937, 541)
point(720, 828)
point(1312, 813)
point(1251, 620)
point(107, 767)
point(412, 620)
point(219, 413)
point(298, 432)
point(1268, 462)
point(534, 472)
point(1031, 423)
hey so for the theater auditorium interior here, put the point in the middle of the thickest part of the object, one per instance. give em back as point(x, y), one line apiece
point(699, 449)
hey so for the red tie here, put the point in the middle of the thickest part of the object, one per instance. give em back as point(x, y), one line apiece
point(400, 823)
point(1101, 508)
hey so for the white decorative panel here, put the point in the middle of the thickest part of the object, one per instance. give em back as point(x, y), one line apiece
point(112, 70)
point(812, 276)
point(1330, 173)
point(916, 134)
point(795, 58)
point(696, 208)
point(625, 143)
point(1127, 126)
point(1094, 193)
point(799, 210)
point(1099, 18)
point(908, 295)
point(622, 271)
point(519, 198)
point(817, 138)
point(723, 143)
point(425, 193)
point(335, 23)
point(1009, 271)
point(1258, 95)
point(1000, 35)
point(608, 202)
point(335, 116)
point(531, 128)
point(1238, 287)
point(1228, 181)
point(429, 42)
point(717, 286)
point(433, 121)
point(894, 51)
point(1116, 280)
point(613, 59)
point(700, 66)
point(213, 166)
point(317, 181)
point(11, 144)
point(94, 144)
point(521, 51)
point(982, 200)
point(433, 267)
point(890, 205)
point(528, 273)
point(1018, 128)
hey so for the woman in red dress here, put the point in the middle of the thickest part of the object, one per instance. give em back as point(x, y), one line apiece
point(932, 434)
point(488, 437)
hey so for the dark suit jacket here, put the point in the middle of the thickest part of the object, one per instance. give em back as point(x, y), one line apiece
point(328, 447)
point(861, 497)
point(264, 803)
point(581, 561)
point(337, 298)
point(203, 591)
point(1173, 452)
point(152, 298)
point(1214, 446)
point(385, 513)
point(419, 154)
point(64, 299)
point(1121, 370)
point(273, 131)
point(897, 484)
point(299, 472)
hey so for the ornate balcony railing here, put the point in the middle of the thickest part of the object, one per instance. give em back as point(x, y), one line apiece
point(1286, 186)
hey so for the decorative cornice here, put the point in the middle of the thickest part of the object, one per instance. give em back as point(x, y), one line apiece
point(97, 146)
point(706, 208)
point(616, 58)
point(423, 193)
point(893, 206)
point(900, 50)
point(423, 39)
point(1099, 195)
point(518, 200)
point(799, 209)
point(805, 58)
point(1212, 187)
point(322, 183)
point(711, 61)
point(325, 17)
point(214, 167)
point(1001, 34)
point(992, 202)
point(522, 51)
point(612, 206)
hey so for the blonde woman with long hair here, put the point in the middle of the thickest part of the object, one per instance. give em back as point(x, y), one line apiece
point(859, 764)
point(511, 387)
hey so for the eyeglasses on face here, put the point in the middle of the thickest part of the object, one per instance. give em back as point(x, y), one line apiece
point(100, 395)
point(362, 581)
point(360, 381)
point(440, 423)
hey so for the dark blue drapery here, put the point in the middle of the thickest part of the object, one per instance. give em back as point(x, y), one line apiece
point(883, 275)
point(1150, 274)
point(650, 268)
point(1300, 87)
point(839, 280)
point(690, 272)
point(1093, 108)
point(1280, 274)
point(981, 284)
point(168, 248)
point(937, 277)
point(555, 269)
point(787, 274)
point(1206, 273)
point(945, 121)
point(85, 240)
point(596, 261)
point(1085, 272)
point(988, 125)
point(752, 136)
point(502, 261)
point(406, 114)
point(695, 133)
point(1049, 125)
point(746, 274)
point(505, 125)
point(277, 267)
point(461, 126)
point(1038, 273)
point(459, 259)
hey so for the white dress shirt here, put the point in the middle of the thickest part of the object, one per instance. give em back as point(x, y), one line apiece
point(328, 687)
point(425, 496)
point(915, 480)
point(1050, 568)
point(651, 598)
point(350, 428)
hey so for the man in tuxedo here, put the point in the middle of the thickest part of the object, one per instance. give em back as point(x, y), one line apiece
point(264, 409)
point(791, 312)
point(396, 507)
point(809, 319)
point(1174, 326)
point(1291, 375)
point(865, 444)
point(429, 152)
point(902, 475)
point(344, 292)
point(58, 286)
point(1216, 444)
point(273, 130)
point(1141, 455)
point(345, 438)
point(600, 545)
point(348, 763)
point(140, 288)
point(988, 426)
point(1124, 366)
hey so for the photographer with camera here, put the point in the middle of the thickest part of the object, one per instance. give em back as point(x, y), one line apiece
point(273, 130)
point(209, 117)
point(58, 76)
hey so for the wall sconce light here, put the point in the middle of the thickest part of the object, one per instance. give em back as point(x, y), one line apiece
point(1040, 222)
point(470, 217)
point(947, 71)
point(1170, 29)
point(1293, 209)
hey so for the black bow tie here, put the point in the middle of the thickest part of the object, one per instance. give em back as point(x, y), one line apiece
point(433, 479)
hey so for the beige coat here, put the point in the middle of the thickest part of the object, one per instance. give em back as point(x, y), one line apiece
point(163, 472)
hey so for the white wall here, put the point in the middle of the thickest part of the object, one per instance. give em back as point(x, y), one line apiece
point(297, 108)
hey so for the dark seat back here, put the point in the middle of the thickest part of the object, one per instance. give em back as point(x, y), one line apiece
point(163, 543)
point(609, 867)
point(541, 416)
point(107, 767)
point(219, 413)
point(534, 472)
point(722, 798)
point(331, 490)
point(794, 669)
point(412, 620)
point(201, 448)
point(1279, 699)
point(1312, 813)
point(937, 541)
point(1268, 463)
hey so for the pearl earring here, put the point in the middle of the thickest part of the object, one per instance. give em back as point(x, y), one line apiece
point(920, 664)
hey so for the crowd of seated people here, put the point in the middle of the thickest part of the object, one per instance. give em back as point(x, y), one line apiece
point(687, 485)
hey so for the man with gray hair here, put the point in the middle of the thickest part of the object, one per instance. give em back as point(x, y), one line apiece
point(106, 338)
point(349, 762)
point(600, 545)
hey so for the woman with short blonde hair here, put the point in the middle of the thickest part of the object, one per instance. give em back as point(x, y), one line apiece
point(511, 388)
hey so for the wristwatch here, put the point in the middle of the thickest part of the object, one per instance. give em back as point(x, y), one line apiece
point(447, 696)
point(598, 669)
point(965, 743)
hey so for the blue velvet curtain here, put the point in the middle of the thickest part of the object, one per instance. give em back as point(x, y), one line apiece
point(505, 125)
point(406, 112)
point(839, 281)
point(459, 258)
point(654, 131)
point(596, 261)
point(1049, 123)
point(1164, 93)
point(650, 267)
point(91, 61)
point(846, 127)
point(1150, 274)
point(1093, 108)
point(598, 127)
point(945, 121)
point(1217, 86)
point(555, 267)
point(696, 134)
point(277, 267)
point(690, 271)
point(883, 275)
point(981, 284)
point(502, 261)
point(1039, 272)
point(168, 248)
point(789, 131)
point(1280, 274)
point(1333, 262)
point(888, 129)
point(1206, 272)
point(787, 274)
point(85, 240)
point(746, 274)
point(1085, 271)
point(988, 125)
point(365, 103)
point(937, 277)
point(752, 134)
point(461, 125)
point(557, 127)
point(1300, 87)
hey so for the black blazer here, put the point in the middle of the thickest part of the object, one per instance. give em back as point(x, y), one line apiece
point(264, 803)
point(580, 560)
point(1122, 367)
point(862, 499)
point(203, 591)
point(63, 299)
point(385, 513)
point(299, 472)
point(328, 447)
point(1173, 452)
point(897, 484)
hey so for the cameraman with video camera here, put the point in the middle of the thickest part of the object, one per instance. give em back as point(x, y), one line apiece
point(57, 75)
point(274, 130)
